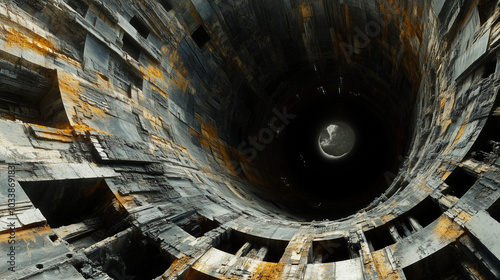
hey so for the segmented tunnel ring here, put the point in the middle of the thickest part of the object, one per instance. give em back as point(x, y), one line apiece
point(172, 139)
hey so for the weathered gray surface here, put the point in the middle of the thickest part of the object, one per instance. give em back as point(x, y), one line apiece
point(125, 144)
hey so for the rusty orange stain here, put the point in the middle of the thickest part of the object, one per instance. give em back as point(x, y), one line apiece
point(448, 173)
point(457, 138)
point(153, 72)
point(306, 11)
point(180, 81)
point(193, 12)
point(210, 141)
point(459, 134)
point(177, 266)
point(36, 43)
point(268, 271)
point(474, 270)
point(445, 127)
point(445, 228)
point(384, 267)
point(227, 158)
point(387, 218)
point(69, 85)
point(154, 119)
point(412, 29)
point(183, 150)
point(263, 271)
point(205, 144)
point(179, 77)
point(70, 90)
point(63, 133)
point(443, 102)
point(125, 201)
point(28, 235)
point(409, 30)
point(223, 153)
point(85, 127)
point(20, 40)
point(164, 94)
point(347, 16)
point(209, 131)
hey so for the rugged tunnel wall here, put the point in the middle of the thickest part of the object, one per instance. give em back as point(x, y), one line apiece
point(169, 139)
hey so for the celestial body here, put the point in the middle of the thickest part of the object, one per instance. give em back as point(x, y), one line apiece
point(336, 140)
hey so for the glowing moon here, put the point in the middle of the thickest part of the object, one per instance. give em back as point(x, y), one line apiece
point(336, 140)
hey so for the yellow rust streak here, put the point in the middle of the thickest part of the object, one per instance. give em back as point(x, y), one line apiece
point(445, 127)
point(443, 102)
point(306, 11)
point(268, 271)
point(70, 89)
point(28, 235)
point(164, 94)
point(210, 141)
point(474, 270)
point(387, 218)
point(384, 267)
point(179, 78)
point(176, 267)
point(347, 16)
point(457, 138)
point(154, 72)
point(446, 229)
point(459, 134)
point(85, 127)
point(408, 27)
point(16, 39)
point(409, 30)
point(69, 85)
point(63, 133)
point(205, 144)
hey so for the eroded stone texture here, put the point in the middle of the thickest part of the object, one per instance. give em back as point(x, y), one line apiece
point(121, 121)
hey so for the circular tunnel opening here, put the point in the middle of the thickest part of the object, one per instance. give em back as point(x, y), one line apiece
point(361, 74)
point(333, 187)
point(337, 145)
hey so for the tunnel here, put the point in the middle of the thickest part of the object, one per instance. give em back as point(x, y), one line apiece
point(249, 139)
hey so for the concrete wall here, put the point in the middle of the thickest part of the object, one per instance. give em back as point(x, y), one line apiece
point(156, 105)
